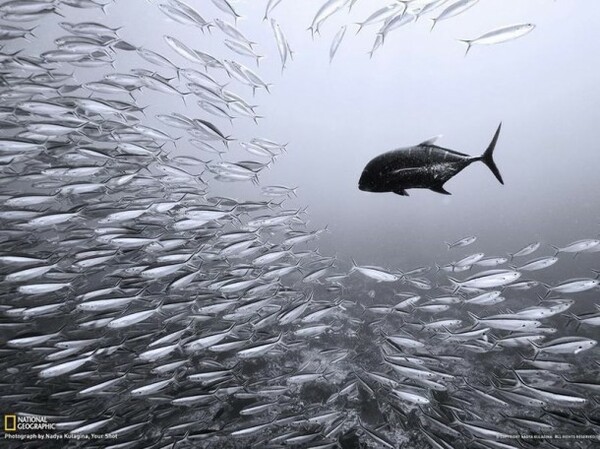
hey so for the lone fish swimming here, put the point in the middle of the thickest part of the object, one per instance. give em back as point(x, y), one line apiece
point(425, 166)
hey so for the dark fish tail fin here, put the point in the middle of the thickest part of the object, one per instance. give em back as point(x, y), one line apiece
point(488, 156)
point(465, 41)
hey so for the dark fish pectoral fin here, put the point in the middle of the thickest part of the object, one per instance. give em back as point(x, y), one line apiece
point(400, 192)
point(440, 189)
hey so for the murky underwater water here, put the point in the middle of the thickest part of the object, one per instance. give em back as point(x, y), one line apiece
point(187, 259)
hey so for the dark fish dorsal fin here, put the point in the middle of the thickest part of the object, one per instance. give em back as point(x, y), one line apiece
point(430, 141)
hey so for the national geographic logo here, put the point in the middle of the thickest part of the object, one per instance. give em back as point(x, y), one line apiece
point(12, 423)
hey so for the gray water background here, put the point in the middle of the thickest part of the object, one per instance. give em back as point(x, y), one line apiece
point(336, 117)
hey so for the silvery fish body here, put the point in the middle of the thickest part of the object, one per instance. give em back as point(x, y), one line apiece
point(453, 10)
point(500, 35)
point(489, 279)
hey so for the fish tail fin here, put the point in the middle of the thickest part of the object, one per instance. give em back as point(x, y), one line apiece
point(570, 317)
point(556, 249)
point(565, 378)
point(541, 299)
point(433, 22)
point(473, 316)
point(488, 156)
point(469, 44)
point(364, 309)
point(448, 334)
point(519, 379)
point(354, 265)
point(30, 32)
point(521, 354)
point(55, 11)
point(496, 341)
point(548, 288)
point(455, 284)
point(536, 349)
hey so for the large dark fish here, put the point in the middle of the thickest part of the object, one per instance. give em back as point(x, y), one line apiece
point(425, 166)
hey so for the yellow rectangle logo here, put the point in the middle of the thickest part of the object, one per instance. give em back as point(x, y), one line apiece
point(10, 423)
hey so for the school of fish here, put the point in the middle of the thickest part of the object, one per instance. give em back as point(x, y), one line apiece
point(138, 301)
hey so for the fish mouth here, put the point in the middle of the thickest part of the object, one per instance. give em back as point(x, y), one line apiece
point(363, 184)
point(369, 186)
point(364, 187)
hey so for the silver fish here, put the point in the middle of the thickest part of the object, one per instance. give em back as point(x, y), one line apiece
point(488, 279)
point(500, 35)
point(462, 242)
point(376, 273)
point(329, 8)
point(538, 264)
point(453, 10)
point(335, 44)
